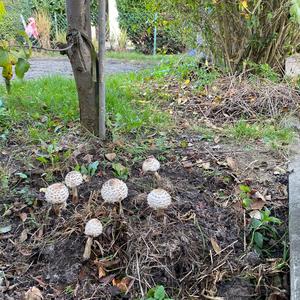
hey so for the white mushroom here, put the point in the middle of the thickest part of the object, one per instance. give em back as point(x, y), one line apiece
point(151, 164)
point(93, 228)
point(113, 191)
point(159, 200)
point(73, 180)
point(57, 195)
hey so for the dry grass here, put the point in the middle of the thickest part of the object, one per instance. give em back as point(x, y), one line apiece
point(43, 23)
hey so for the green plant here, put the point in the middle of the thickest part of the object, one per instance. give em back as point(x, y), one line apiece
point(49, 153)
point(245, 195)
point(263, 230)
point(157, 293)
point(89, 170)
point(137, 17)
point(120, 171)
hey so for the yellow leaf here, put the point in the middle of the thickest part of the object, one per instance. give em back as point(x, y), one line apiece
point(244, 4)
point(216, 246)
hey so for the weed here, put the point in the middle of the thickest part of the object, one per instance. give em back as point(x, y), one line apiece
point(89, 170)
point(157, 293)
point(263, 230)
point(245, 195)
point(272, 135)
point(120, 171)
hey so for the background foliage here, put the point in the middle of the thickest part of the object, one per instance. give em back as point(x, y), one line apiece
point(137, 17)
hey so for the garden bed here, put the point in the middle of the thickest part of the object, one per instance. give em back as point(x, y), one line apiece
point(202, 252)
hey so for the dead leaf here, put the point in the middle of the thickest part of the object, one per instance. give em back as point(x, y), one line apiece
point(232, 164)
point(33, 294)
point(101, 272)
point(187, 164)
point(258, 195)
point(255, 214)
point(110, 156)
point(206, 166)
point(88, 158)
point(122, 284)
point(257, 204)
point(23, 217)
point(216, 246)
point(217, 139)
point(23, 236)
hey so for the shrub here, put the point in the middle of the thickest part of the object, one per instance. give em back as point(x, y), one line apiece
point(137, 17)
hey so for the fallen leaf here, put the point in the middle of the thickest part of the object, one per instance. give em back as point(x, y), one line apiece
point(206, 166)
point(110, 156)
point(258, 195)
point(216, 246)
point(257, 204)
point(255, 214)
point(23, 236)
point(23, 217)
point(5, 229)
point(33, 294)
point(122, 284)
point(217, 139)
point(187, 164)
point(101, 272)
point(88, 158)
point(231, 163)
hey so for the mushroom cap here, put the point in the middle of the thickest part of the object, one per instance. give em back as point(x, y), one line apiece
point(151, 164)
point(57, 193)
point(93, 228)
point(159, 199)
point(73, 179)
point(114, 190)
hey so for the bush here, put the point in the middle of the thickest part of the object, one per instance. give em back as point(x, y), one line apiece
point(137, 17)
point(10, 22)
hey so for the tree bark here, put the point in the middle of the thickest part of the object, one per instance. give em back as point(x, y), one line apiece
point(84, 62)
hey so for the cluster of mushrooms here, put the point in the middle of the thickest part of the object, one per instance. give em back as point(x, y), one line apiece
point(112, 191)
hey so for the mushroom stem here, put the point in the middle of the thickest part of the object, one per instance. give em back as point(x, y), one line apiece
point(88, 248)
point(57, 209)
point(157, 176)
point(121, 211)
point(74, 195)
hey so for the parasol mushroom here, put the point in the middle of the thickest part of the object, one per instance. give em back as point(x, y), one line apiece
point(73, 180)
point(57, 195)
point(113, 191)
point(159, 200)
point(93, 229)
point(152, 165)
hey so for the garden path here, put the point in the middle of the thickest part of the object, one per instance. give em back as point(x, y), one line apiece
point(61, 66)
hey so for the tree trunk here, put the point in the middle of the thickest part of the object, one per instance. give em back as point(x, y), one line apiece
point(84, 62)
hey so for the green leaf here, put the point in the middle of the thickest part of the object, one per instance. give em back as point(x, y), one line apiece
point(245, 188)
point(22, 175)
point(4, 57)
point(258, 239)
point(255, 223)
point(151, 293)
point(22, 67)
point(160, 292)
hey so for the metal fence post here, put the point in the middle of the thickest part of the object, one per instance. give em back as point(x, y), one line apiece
point(155, 34)
point(102, 38)
point(56, 26)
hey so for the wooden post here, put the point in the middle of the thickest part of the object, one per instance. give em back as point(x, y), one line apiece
point(102, 35)
point(84, 63)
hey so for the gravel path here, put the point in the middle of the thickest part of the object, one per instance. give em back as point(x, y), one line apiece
point(40, 67)
point(61, 66)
